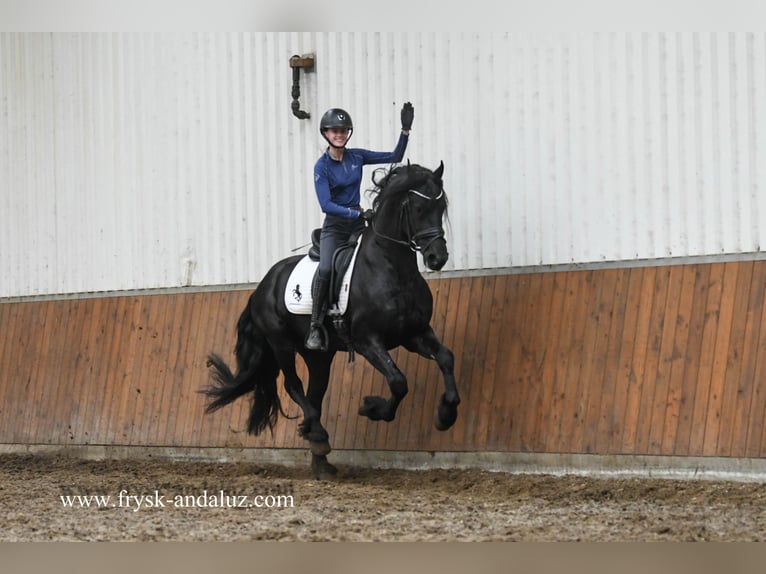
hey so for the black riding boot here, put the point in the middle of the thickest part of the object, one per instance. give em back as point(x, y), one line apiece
point(316, 340)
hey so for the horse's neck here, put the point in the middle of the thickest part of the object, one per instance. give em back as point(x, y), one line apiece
point(382, 251)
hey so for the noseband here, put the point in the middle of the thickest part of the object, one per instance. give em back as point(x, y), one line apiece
point(420, 240)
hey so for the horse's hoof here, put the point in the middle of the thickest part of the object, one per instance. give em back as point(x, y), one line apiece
point(445, 417)
point(374, 408)
point(320, 448)
point(322, 469)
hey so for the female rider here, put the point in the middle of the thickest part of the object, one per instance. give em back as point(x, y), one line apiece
point(337, 181)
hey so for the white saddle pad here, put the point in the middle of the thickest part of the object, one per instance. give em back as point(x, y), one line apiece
point(298, 291)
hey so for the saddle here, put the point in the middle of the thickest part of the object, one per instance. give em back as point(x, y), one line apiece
point(341, 259)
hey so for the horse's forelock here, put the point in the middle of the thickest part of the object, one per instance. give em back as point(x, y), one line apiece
point(399, 180)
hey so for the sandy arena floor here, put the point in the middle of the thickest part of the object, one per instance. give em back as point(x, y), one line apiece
point(192, 501)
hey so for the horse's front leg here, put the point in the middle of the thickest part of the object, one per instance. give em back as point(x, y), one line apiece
point(428, 345)
point(378, 408)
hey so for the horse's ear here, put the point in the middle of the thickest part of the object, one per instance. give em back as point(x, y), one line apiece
point(439, 170)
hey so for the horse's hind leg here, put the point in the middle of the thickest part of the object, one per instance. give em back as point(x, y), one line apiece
point(428, 345)
point(319, 376)
point(378, 408)
point(310, 428)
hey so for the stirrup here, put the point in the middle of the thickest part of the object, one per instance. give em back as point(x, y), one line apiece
point(316, 340)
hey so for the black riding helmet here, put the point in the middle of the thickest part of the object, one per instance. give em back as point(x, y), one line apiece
point(336, 118)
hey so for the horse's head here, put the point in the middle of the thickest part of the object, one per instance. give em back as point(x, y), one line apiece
point(409, 210)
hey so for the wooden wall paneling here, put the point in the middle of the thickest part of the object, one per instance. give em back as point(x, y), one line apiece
point(536, 393)
point(733, 385)
point(505, 417)
point(228, 425)
point(470, 367)
point(107, 345)
point(171, 381)
point(578, 348)
point(676, 359)
point(193, 371)
point(615, 412)
point(447, 332)
point(602, 405)
point(525, 375)
point(132, 389)
point(571, 282)
point(689, 386)
point(496, 319)
point(82, 370)
point(339, 399)
point(184, 361)
point(706, 358)
point(460, 297)
point(654, 360)
point(479, 332)
point(148, 388)
point(91, 349)
point(639, 356)
point(749, 359)
point(29, 341)
point(542, 427)
point(136, 351)
point(648, 377)
point(498, 415)
point(723, 339)
point(31, 366)
point(665, 358)
point(593, 382)
point(162, 382)
point(54, 399)
point(755, 444)
point(9, 313)
point(126, 371)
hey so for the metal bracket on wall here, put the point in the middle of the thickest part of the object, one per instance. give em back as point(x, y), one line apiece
point(296, 63)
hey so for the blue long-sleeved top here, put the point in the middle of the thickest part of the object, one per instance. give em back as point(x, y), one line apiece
point(337, 183)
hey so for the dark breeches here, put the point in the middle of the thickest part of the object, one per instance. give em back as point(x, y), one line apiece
point(335, 232)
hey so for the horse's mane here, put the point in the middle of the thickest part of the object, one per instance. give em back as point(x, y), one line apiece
point(397, 181)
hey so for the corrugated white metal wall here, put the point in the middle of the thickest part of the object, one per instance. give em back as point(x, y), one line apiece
point(132, 161)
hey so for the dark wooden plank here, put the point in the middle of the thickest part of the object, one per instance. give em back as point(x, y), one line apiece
point(696, 331)
point(532, 351)
point(733, 386)
point(678, 360)
point(612, 432)
point(592, 380)
point(723, 338)
point(755, 444)
point(578, 362)
point(603, 405)
point(706, 359)
point(571, 282)
point(498, 430)
point(747, 379)
point(638, 362)
point(542, 429)
point(668, 354)
point(648, 378)
point(43, 382)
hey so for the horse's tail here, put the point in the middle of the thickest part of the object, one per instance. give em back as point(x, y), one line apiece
point(257, 371)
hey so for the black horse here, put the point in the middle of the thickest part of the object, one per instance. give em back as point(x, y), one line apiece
point(389, 305)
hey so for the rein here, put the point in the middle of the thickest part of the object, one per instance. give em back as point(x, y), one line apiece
point(414, 240)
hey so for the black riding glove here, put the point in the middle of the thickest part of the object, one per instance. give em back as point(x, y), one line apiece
point(368, 214)
point(408, 114)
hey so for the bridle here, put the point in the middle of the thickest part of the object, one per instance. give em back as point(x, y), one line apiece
point(416, 241)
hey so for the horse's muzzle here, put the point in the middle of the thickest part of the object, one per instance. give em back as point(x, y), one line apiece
point(436, 255)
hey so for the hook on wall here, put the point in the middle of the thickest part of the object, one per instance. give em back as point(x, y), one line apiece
point(296, 63)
